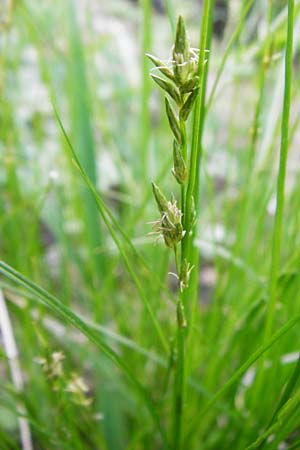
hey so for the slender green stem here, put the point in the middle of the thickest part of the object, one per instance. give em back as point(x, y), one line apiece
point(184, 141)
point(56, 306)
point(287, 393)
point(146, 85)
point(254, 357)
point(177, 262)
point(179, 382)
point(195, 148)
point(278, 225)
point(245, 206)
point(171, 16)
point(184, 155)
point(202, 113)
point(191, 292)
point(187, 205)
point(227, 51)
point(107, 220)
point(179, 368)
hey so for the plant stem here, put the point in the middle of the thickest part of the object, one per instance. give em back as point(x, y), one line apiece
point(179, 382)
point(170, 12)
point(196, 148)
point(146, 85)
point(108, 218)
point(12, 354)
point(248, 177)
point(227, 51)
point(251, 360)
point(191, 293)
point(186, 206)
point(184, 155)
point(278, 225)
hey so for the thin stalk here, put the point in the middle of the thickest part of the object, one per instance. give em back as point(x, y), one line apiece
point(11, 351)
point(57, 307)
point(52, 324)
point(146, 85)
point(179, 380)
point(246, 203)
point(187, 206)
point(82, 132)
point(104, 208)
point(196, 148)
point(227, 51)
point(251, 360)
point(184, 155)
point(287, 393)
point(278, 225)
point(179, 376)
point(202, 112)
point(192, 291)
point(177, 262)
point(107, 220)
point(170, 12)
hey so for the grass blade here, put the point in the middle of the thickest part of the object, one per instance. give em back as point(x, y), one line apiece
point(278, 225)
point(254, 357)
point(103, 212)
point(80, 107)
point(56, 306)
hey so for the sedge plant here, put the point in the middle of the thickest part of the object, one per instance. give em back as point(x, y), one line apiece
point(97, 349)
point(176, 224)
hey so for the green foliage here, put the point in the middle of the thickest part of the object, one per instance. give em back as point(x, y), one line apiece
point(120, 345)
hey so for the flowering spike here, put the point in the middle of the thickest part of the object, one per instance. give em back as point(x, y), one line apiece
point(169, 225)
point(181, 44)
point(173, 121)
point(189, 85)
point(161, 66)
point(188, 104)
point(181, 53)
point(179, 170)
point(161, 200)
point(168, 87)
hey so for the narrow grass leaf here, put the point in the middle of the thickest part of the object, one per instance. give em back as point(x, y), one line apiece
point(65, 313)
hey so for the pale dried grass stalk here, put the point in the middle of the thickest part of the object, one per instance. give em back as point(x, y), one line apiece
point(11, 351)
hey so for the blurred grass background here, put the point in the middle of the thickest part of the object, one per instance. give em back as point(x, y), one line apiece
point(87, 59)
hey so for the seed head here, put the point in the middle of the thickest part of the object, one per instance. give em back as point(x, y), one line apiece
point(181, 53)
point(161, 200)
point(179, 170)
point(168, 87)
point(173, 121)
point(79, 389)
point(188, 104)
point(161, 66)
point(181, 44)
point(52, 365)
point(169, 224)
